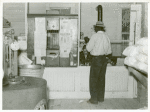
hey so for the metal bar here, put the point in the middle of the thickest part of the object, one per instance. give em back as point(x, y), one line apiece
point(10, 57)
point(15, 63)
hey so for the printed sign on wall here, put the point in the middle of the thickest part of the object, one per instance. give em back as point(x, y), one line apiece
point(53, 24)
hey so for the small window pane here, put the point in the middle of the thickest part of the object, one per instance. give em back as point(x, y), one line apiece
point(125, 36)
point(125, 20)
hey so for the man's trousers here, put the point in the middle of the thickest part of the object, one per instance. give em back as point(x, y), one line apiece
point(97, 77)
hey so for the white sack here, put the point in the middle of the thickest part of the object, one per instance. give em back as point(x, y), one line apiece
point(130, 61)
point(142, 41)
point(131, 51)
point(143, 50)
point(142, 58)
point(142, 66)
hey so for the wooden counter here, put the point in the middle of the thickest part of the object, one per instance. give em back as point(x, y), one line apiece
point(67, 83)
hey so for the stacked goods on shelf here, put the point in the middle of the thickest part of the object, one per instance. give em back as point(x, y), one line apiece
point(40, 38)
point(137, 55)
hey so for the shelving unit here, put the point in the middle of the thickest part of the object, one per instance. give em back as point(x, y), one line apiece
point(142, 84)
point(31, 22)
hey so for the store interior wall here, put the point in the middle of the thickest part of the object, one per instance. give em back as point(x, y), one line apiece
point(41, 8)
point(111, 18)
point(15, 13)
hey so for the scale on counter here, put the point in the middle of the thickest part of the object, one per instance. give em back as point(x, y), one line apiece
point(20, 92)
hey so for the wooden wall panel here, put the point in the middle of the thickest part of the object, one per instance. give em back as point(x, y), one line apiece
point(37, 8)
point(68, 83)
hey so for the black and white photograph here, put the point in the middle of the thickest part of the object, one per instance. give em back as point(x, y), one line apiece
point(74, 55)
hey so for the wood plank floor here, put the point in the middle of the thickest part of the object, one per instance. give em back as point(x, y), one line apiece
point(79, 104)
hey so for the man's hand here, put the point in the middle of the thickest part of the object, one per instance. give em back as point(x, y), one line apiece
point(109, 56)
point(109, 60)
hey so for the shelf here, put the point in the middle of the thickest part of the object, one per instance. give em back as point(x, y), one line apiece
point(46, 15)
point(120, 41)
point(141, 71)
point(140, 75)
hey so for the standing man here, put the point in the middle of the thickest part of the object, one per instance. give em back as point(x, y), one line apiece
point(99, 46)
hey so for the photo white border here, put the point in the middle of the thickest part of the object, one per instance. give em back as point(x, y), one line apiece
point(1, 15)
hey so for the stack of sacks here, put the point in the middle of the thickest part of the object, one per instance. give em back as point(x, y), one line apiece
point(131, 52)
point(137, 55)
point(142, 57)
